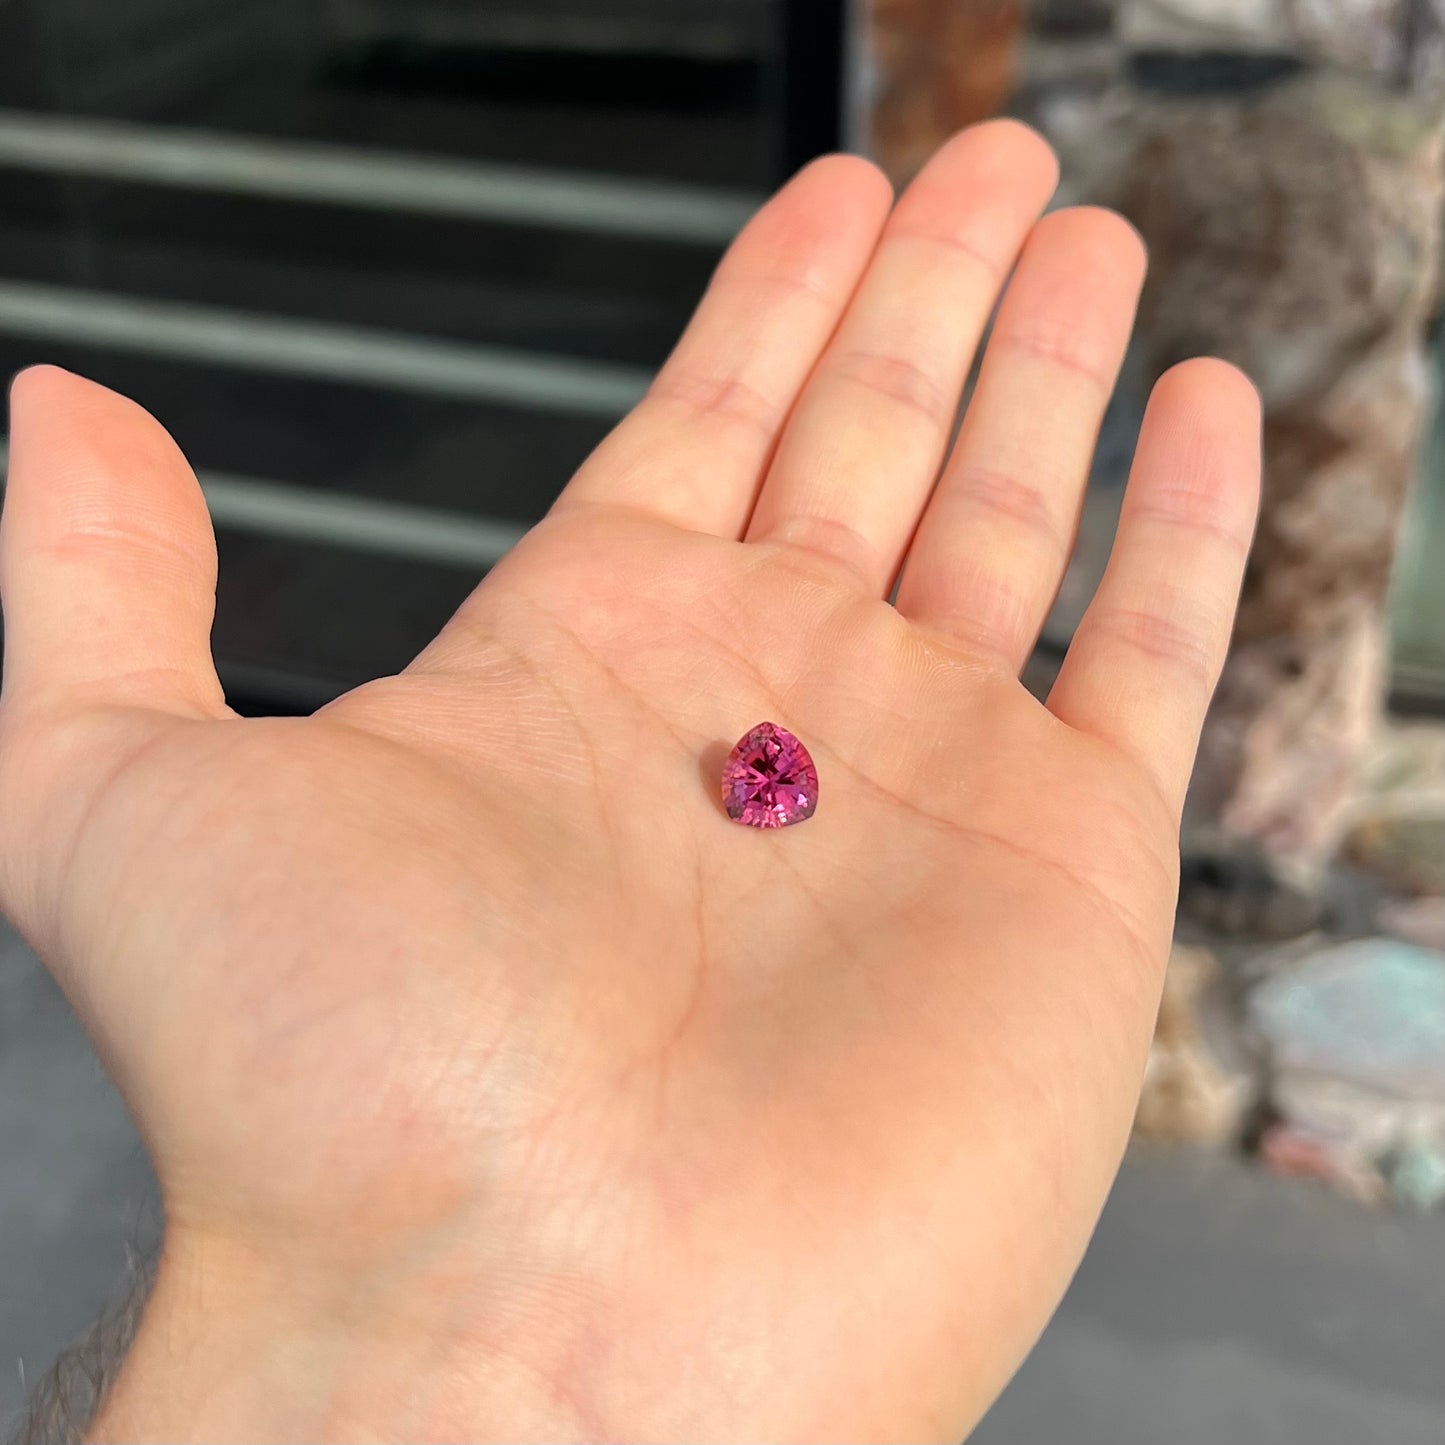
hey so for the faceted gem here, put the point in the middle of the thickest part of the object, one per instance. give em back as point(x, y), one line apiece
point(769, 780)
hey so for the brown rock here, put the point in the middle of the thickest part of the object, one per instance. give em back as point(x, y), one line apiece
point(1406, 853)
point(1397, 833)
point(1189, 1095)
point(941, 65)
point(1296, 232)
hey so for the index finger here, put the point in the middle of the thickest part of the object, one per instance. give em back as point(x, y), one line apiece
point(693, 450)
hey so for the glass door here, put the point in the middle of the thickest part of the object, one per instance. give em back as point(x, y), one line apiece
point(388, 269)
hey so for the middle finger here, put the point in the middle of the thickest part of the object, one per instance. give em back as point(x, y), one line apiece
point(866, 438)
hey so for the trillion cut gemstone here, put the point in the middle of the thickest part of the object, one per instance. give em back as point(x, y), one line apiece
point(769, 780)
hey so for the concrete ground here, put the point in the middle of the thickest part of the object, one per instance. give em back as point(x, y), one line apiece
point(1216, 1306)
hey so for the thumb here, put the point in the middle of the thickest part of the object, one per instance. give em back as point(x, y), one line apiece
point(107, 583)
point(107, 559)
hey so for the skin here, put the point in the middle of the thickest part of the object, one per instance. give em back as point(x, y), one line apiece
point(498, 1085)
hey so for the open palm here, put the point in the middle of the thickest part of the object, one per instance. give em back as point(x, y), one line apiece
point(498, 1084)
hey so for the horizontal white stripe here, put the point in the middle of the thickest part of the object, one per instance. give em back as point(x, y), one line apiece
point(393, 360)
point(341, 519)
point(379, 180)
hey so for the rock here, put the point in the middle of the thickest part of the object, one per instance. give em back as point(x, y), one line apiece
point(1397, 828)
point(1356, 1119)
point(1241, 894)
point(1405, 768)
point(1204, 26)
point(1401, 40)
point(1193, 1092)
point(1296, 1154)
point(1354, 1037)
point(1406, 853)
point(1415, 1176)
point(1369, 1012)
point(938, 65)
point(1415, 920)
point(1395, 40)
point(1071, 17)
point(1296, 232)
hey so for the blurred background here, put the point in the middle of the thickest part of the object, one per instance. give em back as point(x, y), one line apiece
point(388, 269)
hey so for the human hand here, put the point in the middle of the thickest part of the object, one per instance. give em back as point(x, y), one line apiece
point(498, 1085)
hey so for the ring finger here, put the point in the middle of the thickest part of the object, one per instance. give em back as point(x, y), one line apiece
point(992, 545)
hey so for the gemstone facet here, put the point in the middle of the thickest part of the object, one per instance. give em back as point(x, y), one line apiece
point(769, 780)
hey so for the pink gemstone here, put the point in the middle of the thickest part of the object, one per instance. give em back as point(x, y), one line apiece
point(769, 780)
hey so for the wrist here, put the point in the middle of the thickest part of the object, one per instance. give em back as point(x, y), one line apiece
point(236, 1342)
